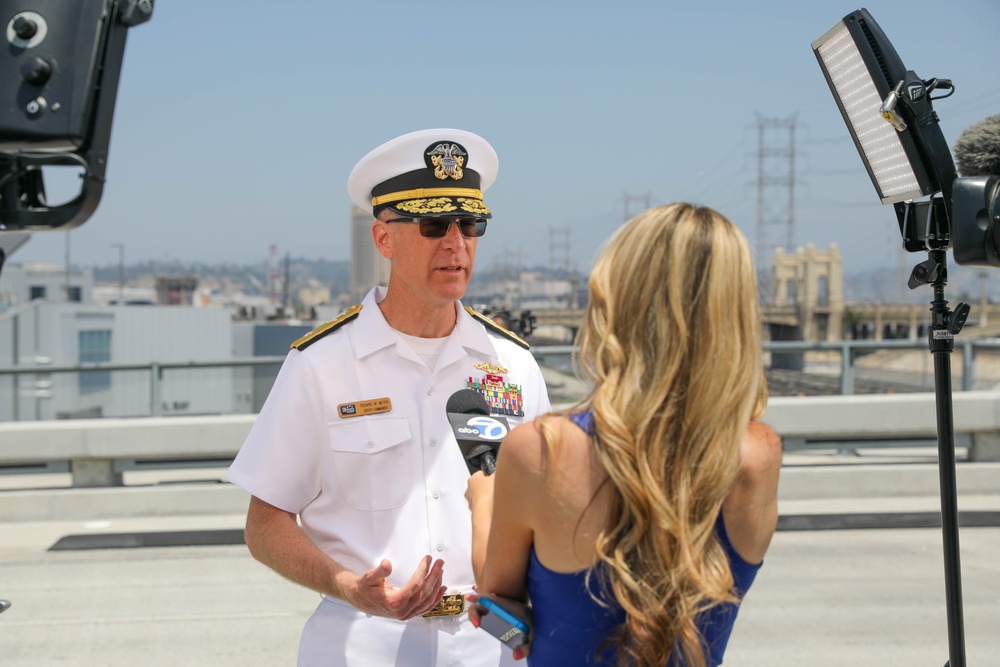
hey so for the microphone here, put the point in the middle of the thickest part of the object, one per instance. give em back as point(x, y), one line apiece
point(977, 150)
point(478, 433)
point(975, 197)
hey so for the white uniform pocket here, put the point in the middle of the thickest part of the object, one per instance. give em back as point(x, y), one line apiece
point(370, 457)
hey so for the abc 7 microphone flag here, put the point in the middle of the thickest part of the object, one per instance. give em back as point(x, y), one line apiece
point(487, 428)
point(477, 433)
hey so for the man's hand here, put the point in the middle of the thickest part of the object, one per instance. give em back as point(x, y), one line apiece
point(372, 594)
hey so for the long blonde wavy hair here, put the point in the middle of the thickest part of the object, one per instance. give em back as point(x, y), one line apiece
point(671, 343)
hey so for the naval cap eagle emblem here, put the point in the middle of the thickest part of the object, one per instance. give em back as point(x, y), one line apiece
point(447, 158)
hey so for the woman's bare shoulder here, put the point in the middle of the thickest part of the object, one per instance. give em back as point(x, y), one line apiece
point(534, 445)
point(760, 450)
point(553, 453)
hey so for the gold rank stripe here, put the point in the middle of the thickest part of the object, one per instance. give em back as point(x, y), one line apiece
point(324, 329)
point(490, 324)
point(362, 408)
point(426, 193)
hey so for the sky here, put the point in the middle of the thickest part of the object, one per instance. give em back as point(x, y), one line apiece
point(237, 122)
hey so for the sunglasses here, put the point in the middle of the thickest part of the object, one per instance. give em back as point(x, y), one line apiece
point(438, 228)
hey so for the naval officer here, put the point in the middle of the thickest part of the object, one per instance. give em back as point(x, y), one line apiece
point(354, 442)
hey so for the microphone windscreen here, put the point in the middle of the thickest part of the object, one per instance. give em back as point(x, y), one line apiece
point(977, 151)
point(468, 402)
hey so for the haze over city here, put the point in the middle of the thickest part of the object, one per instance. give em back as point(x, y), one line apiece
point(237, 123)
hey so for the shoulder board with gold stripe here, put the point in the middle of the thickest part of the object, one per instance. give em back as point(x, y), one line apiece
point(493, 326)
point(329, 327)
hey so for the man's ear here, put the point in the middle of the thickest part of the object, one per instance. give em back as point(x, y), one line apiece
point(382, 236)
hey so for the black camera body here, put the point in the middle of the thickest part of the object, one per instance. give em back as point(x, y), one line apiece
point(59, 73)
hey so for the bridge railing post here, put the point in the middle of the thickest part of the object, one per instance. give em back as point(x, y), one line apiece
point(846, 368)
point(968, 365)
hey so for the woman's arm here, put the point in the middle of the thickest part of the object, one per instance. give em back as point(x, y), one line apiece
point(479, 493)
point(502, 514)
point(751, 509)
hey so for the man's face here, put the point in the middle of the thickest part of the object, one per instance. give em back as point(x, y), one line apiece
point(432, 270)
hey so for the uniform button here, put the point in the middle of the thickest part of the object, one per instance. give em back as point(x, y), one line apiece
point(439, 546)
point(430, 392)
point(436, 494)
point(369, 444)
point(432, 443)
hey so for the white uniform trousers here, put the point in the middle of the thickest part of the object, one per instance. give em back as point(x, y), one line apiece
point(338, 635)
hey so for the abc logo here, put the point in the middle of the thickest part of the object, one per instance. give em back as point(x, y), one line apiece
point(489, 428)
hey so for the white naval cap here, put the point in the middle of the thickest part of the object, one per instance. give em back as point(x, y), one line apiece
point(425, 174)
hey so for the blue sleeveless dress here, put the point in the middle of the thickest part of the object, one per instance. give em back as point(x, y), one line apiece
point(570, 625)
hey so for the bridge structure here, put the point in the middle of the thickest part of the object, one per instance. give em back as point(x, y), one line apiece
point(806, 303)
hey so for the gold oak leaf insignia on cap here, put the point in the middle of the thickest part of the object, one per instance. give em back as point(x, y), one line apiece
point(423, 206)
point(473, 206)
point(447, 159)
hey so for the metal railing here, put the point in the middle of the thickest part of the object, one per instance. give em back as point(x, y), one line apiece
point(197, 387)
point(890, 366)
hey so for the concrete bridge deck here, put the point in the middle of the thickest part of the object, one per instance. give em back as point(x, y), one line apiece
point(825, 598)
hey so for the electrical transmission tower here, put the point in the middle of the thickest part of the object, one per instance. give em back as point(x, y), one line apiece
point(560, 258)
point(775, 191)
point(508, 278)
point(642, 200)
point(559, 255)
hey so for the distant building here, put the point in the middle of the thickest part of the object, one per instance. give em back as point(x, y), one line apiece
point(527, 290)
point(368, 266)
point(256, 339)
point(314, 294)
point(810, 283)
point(175, 290)
point(109, 295)
point(50, 336)
point(68, 347)
point(23, 283)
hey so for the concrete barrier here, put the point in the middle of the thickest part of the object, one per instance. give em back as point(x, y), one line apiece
point(885, 419)
point(98, 450)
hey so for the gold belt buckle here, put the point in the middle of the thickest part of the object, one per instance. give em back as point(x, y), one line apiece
point(450, 605)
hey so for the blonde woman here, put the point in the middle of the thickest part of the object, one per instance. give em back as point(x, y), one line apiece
point(636, 523)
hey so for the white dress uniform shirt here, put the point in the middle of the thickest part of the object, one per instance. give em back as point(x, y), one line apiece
point(384, 485)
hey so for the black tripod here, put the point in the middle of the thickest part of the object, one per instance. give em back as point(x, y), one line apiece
point(945, 324)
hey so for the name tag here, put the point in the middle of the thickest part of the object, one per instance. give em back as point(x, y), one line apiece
point(361, 408)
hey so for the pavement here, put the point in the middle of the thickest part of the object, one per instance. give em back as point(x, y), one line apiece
point(155, 573)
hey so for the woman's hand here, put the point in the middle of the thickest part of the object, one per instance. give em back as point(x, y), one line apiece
point(475, 616)
point(479, 492)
